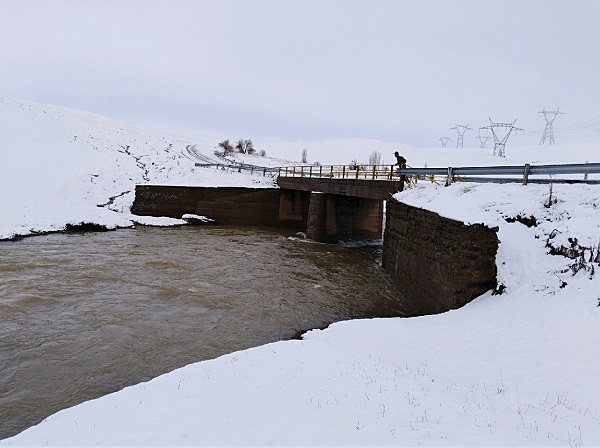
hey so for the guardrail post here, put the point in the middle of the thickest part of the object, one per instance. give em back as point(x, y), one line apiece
point(373, 176)
point(585, 176)
point(526, 174)
point(331, 171)
point(357, 170)
point(320, 170)
point(449, 178)
point(344, 172)
point(294, 172)
point(310, 172)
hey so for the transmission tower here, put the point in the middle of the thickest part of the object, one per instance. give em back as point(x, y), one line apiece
point(500, 144)
point(548, 130)
point(483, 140)
point(444, 141)
point(461, 129)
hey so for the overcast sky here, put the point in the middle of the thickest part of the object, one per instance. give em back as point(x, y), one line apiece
point(399, 70)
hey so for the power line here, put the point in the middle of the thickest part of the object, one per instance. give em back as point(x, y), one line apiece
point(482, 140)
point(500, 143)
point(461, 129)
point(444, 141)
point(548, 130)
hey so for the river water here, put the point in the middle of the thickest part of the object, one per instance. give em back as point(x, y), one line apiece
point(83, 315)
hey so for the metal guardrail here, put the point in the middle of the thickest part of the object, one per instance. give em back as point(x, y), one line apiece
point(373, 172)
point(240, 167)
point(523, 171)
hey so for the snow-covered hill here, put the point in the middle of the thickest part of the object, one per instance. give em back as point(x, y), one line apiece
point(62, 166)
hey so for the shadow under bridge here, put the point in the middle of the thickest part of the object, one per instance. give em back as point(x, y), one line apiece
point(335, 208)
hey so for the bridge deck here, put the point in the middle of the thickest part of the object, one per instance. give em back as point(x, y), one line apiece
point(368, 189)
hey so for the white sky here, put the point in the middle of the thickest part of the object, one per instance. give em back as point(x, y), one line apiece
point(403, 71)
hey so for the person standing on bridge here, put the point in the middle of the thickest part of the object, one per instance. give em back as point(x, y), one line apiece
point(401, 162)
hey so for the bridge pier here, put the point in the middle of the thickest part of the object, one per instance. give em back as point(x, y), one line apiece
point(333, 218)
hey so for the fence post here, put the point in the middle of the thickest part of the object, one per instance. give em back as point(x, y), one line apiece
point(449, 178)
point(526, 174)
point(585, 176)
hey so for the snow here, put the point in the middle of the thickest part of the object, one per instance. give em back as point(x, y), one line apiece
point(516, 369)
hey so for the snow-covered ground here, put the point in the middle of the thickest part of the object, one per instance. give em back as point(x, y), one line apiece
point(516, 369)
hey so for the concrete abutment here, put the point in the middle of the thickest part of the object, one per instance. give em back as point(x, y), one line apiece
point(439, 264)
point(324, 217)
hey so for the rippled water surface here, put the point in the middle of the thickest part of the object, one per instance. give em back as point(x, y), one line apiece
point(82, 315)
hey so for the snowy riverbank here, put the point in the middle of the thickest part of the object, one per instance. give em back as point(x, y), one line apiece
point(517, 369)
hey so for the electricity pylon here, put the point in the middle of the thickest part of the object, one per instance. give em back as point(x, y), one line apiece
point(500, 144)
point(548, 130)
point(444, 141)
point(483, 140)
point(461, 129)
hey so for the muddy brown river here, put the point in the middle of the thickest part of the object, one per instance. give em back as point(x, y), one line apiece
point(83, 315)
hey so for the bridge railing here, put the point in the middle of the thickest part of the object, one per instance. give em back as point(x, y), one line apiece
point(252, 169)
point(501, 173)
point(369, 172)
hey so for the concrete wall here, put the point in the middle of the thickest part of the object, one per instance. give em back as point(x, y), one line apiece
point(326, 218)
point(438, 263)
point(226, 205)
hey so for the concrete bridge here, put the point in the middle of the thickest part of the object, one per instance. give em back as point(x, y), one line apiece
point(328, 207)
point(336, 208)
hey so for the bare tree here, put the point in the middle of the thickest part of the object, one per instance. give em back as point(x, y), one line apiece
point(226, 146)
point(249, 146)
point(304, 156)
point(240, 146)
point(375, 158)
